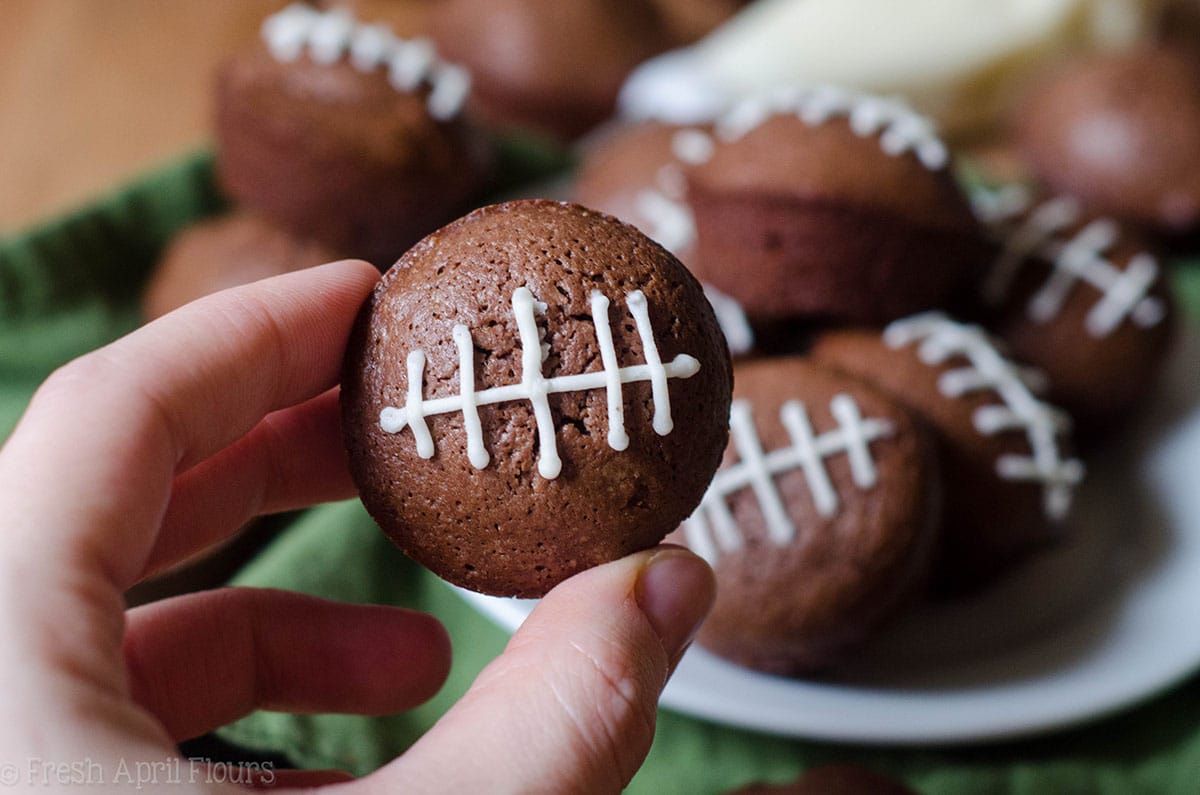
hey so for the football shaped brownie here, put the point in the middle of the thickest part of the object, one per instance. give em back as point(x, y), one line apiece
point(820, 523)
point(820, 203)
point(1009, 476)
point(532, 390)
point(347, 134)
point(1082, 299)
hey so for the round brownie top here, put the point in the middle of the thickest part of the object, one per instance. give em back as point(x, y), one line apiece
point(547, 61)
point(359, 85)
point(821, 519)
point(1008, 466)
point(597, 383)
point(835, 148)
point(351, 109)
point(955, 377)
point(1080, 296)
point(1122, 132)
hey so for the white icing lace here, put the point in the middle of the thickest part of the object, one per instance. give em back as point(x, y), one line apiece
point(328, 36)
point(1078, 259)
point(941, 340)
point(900, 129)
point(712, 530)
point(536, 388)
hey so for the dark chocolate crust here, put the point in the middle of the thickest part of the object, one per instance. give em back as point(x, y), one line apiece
point(797, 220)
point(505, 529)
point(798, 608)
point(1121, 132)
point(338, 154)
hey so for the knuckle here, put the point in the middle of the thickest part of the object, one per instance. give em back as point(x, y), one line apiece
point(617, 706)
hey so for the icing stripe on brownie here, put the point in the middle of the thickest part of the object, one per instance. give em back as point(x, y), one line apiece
point(536, 388)
point(712, 528)
point(940, 340)
point(1076, 259)
point(900, 128)
point(328, 36)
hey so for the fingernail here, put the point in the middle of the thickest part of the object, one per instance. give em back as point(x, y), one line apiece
point(675, 591)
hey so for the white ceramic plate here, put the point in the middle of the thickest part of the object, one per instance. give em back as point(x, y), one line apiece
point(1099, 623)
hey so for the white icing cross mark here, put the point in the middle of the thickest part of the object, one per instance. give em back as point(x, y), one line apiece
point(712, 527)
point(1076, 259)
point(536, 387)
point(330, 35)
point(942, 339)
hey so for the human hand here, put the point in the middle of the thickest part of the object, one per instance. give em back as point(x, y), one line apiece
point(142, 454)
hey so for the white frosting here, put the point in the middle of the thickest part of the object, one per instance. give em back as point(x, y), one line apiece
point(712, 529)
point(899, 127)
point(671, 224)
point(1079, 259)
point(329, 36)
point(668, 222)
point(940, 340)
point(536, 387)
point(692, 146)
point(732, 320)
point(664, 211)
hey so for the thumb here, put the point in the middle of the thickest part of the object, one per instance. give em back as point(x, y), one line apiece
point(570, 705)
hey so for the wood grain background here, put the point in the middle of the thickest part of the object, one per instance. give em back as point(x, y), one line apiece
point(93, 92)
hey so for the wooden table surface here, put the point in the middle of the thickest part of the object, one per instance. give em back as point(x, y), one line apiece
point(93, 92)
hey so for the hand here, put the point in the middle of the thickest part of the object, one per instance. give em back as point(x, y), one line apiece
point(139, 455)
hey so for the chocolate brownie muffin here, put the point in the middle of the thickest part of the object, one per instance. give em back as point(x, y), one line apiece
point(822, 203)
point(820, 523)
point(348, 134)
point(237, 248)
point(1120, 132)
point(635, 173)
point(547, 65)
point(1082, 299)
point(532, 390)
point(832, 780)
point(1006, 459)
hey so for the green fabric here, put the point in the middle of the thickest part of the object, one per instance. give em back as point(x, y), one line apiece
point(73, 284)
point(1153, 749)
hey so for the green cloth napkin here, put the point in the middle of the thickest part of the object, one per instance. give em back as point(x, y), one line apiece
point(73, 284)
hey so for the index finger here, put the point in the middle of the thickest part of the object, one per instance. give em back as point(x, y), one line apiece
point(110, 430)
